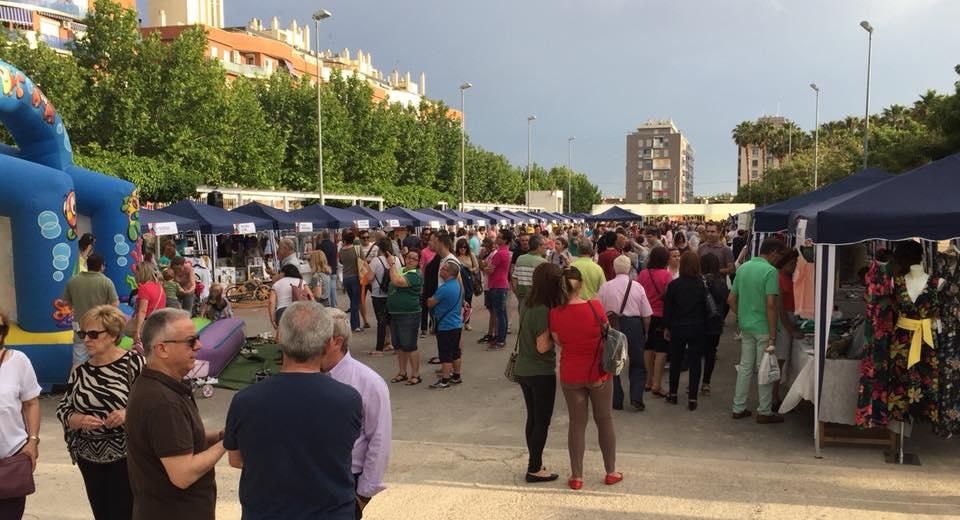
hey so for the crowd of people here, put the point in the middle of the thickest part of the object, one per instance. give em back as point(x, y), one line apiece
point(135, 433)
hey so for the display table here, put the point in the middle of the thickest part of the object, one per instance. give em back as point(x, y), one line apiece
point(838, 400)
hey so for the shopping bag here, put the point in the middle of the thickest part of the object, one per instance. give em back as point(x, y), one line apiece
point(769, 369)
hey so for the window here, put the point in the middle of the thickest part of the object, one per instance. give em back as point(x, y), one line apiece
point(226, 55)
point(756, 151)
point(754, 163)
point(661, 164)
point(213, 52)
point(754, 174)
point(648, 165)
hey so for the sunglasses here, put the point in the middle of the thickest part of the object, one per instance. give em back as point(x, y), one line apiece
point(365, 237)
point(191, 341)
point(92, 334)
point(4, 328)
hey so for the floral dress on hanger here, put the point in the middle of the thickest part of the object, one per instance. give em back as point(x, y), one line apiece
point(948, 346)
point(913, 391)
point(878, 331)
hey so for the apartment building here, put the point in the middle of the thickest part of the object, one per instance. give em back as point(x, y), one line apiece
point(54, 22)
point(753, 157)
point(660, 164)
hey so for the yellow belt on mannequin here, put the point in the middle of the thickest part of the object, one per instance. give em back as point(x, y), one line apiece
point(922, 333)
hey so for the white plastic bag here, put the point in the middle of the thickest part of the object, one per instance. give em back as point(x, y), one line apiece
point(769, 369)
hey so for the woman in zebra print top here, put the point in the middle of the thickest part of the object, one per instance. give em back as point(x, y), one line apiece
point(93, 412)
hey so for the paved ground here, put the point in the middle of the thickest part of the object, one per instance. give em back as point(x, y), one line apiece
point(459, 454)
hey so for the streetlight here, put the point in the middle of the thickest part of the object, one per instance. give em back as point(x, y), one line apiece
point(866, 117)
point(570, 141)
point(317, 16)
point(463, 148)
point(530, 121)
point(816, 136)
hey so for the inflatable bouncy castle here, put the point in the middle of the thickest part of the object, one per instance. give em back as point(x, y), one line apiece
point(46, 203)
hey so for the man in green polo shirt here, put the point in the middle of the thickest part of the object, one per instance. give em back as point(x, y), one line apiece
point(754, 300)
point(591, 273)
point(522, 279)
point(85, 291)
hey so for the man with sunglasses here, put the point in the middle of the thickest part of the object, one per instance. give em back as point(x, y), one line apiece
point(85, 291)
point(170, 455)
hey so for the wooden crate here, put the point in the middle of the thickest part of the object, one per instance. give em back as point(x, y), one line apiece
point(833, 434)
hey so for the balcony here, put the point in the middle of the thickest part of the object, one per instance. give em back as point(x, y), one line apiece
point(250, 71)
point(55, 42)
point(68, 8)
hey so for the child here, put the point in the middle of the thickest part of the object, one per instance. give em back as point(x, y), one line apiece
point(216, 307)
point(170, 288)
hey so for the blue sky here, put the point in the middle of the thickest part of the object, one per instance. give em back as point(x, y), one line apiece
point(597, 69)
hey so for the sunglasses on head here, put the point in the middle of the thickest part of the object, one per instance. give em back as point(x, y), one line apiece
point(92, 334)
point(190, 341)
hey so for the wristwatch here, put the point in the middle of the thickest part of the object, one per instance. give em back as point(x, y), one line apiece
point(34, 438)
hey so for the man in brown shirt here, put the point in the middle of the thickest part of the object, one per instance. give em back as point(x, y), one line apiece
point(170, 456)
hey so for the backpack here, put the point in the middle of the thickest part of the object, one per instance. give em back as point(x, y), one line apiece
point(385, 281)
point(612, 347)
point(466, 275)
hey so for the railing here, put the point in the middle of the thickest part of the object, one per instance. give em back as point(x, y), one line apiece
point(245, 70)
point(74, 10)
point(55, 42)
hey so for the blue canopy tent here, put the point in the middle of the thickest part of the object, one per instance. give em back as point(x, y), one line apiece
point(488, 216)
point(215, 221)
point(466, 218)
point(439, 215)
point(615, 214)
point(150, 217)
point(327, 216)
point(413, 218)
point(281, 219)
point(501, 216)
point(385, 219)
point(902, 207)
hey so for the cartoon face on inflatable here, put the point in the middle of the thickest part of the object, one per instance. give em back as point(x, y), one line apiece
point(70, 213)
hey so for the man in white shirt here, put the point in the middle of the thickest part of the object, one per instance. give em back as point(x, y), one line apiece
point(634, 311)
point(371, 452)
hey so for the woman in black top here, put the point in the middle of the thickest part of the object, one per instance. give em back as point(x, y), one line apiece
point(685, 325)
point(710, 267)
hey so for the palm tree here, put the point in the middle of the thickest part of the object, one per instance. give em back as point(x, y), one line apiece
point(895, 116)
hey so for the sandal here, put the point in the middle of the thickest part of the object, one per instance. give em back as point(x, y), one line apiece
point(434, 361)
point(415, 380)
point(659, 392)
point(705, 389)
point(375, 353)
point(399, 378)
point(388, 349)
point(647, 388)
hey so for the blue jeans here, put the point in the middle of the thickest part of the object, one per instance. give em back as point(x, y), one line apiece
point(351, 285)
point(498, 304)
point(333, 290)
point(632, 327)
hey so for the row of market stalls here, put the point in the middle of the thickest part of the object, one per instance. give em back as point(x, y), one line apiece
point(877, 208)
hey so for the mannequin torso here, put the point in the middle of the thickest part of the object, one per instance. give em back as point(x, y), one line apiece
point(916, 280)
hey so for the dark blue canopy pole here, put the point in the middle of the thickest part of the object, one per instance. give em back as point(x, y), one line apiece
point(826, 257)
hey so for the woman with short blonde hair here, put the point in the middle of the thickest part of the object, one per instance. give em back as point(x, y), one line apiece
point(93, 412)
point(150, 297)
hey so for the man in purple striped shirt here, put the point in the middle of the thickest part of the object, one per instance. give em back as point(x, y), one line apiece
point(371, 452)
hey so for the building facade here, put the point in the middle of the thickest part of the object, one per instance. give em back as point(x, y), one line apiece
point(56, 23)
point(660, 164)
point(163, 13)
point(753, 159)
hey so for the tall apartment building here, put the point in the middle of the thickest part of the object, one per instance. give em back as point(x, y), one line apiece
point(54, 22)
point(162, 13)
point(755, 159)
point(660, 163)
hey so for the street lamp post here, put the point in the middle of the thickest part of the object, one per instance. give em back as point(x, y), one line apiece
point(530, 121)
point(570, 141)
point(317, 16)
point(866, 117)
point(816, 136)
point(463, 148)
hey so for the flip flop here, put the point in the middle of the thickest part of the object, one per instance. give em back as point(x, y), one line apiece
point(375, 353)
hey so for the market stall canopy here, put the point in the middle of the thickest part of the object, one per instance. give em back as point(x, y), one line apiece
point(281, 219)
point(488, 216)
point(511, 219)
point(615, 214)
point(776, 217)
point(378, 218)
point(524, 217)
point(326, 216)
point(437, 214)
point(466, 218)
point(915, 204)
point(151, 218)
point(411, 217)
point(215, 221)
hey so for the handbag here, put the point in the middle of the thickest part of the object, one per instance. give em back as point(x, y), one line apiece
point(512, 363)
point(613, 318)
point(713, 310)
point(363, 268)
point(612, 346)
point(16, 471)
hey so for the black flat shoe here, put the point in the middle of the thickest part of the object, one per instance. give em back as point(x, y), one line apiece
point(618, 406)
point(692, 405)
point(533, 479)
point(672, 399)
point(638, 405)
